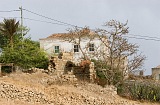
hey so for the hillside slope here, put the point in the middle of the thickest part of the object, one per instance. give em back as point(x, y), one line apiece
point(35, 89)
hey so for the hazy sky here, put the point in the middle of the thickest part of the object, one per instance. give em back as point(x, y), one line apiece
point(143, 19)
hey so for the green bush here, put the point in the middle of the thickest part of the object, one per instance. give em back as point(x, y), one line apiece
point(26, 54)
point(100, 74)
point(140, 90)
point(109, 77)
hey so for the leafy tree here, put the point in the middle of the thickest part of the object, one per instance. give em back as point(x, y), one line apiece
point(3, 41)
point(25, 54)
point(9, 28)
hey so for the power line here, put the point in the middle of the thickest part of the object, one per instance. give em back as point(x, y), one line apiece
point(44, 21)
point(9, 17)
point(142, 38)
point(36, 20)
point(145, 36)
point(52, 19)
point(10, 11)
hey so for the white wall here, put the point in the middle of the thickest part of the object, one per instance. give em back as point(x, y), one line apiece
point(65, 46)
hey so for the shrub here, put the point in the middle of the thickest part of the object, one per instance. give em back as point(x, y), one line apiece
point(140, 90)
point(26, 54)
point(108, 76)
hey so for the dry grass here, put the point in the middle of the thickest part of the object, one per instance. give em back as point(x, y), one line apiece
point(35, 80)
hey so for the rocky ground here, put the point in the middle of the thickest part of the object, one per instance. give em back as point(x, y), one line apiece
point(42, 89)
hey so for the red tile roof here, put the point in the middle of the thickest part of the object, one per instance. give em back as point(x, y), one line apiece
point(58, 35)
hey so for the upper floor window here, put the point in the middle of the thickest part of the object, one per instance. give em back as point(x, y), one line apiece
point(56, 49)
point(76, 48)
point(91, 47)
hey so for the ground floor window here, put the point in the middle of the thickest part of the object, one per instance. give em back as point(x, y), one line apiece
point(56, 49)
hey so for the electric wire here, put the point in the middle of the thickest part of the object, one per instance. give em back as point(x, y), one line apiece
point(145, 36)
point(51, 18)
point(9, 17)
point(142, 38)
point(10, 11)
point(43, 21)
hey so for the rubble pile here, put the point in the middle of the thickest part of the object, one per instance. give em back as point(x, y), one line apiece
point(9, 91)
point(80, 95)
point(65, 78)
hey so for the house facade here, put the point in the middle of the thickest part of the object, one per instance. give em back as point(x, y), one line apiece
point(56, 43)
point(93, 48)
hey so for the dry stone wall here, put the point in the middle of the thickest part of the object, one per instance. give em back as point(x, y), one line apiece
point(61, 63)
point(80, 73)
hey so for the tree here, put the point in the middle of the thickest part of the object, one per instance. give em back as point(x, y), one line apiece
point(118, 57)
point(9, 28)
point(3, 41)
point(123, 57)
point(25, 54)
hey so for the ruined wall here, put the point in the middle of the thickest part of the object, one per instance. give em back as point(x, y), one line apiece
point(61, 62)
point(87, 74)
point(62, 67)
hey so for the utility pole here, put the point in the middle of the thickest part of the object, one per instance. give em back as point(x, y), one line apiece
point(21, 9)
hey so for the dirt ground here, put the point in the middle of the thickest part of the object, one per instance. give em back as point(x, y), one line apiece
point(79, 93)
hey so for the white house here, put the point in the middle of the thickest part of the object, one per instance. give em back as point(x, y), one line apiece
point(57, 43)
point(156, 73)
point(93, 48)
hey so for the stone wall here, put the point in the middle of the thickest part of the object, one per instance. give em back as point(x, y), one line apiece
point(80, 73)
point(60, 62)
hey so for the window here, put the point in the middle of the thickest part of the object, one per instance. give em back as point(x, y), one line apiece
point(76, 48)
point(56, 49)
point(91, 47)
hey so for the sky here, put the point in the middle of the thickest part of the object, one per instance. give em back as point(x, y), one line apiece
point(142, 15)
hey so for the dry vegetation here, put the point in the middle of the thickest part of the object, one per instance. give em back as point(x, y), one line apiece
point(79, 93)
